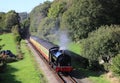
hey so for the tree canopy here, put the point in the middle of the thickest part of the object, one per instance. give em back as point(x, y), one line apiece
point(7, 20)
point(103, 42)
point(37, 14)
point(2, 23)
point(85, 16)
point(12, 19)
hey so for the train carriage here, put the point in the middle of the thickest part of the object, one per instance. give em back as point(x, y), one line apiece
point(55, 57)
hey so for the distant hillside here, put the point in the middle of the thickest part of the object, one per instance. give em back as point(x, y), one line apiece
point(23, 15)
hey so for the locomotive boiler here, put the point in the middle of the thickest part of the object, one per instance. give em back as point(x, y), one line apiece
point(57, 58)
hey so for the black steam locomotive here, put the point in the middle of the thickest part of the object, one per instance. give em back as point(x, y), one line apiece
point(55, 57)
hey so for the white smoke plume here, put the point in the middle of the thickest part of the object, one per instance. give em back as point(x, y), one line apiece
point(63, 40)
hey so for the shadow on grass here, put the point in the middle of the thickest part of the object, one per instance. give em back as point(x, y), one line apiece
point(7, 76)
point(80, 65)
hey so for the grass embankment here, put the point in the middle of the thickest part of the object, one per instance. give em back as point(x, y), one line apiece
point(74, 47)
point(96, 77)
point(7, 41)
point(23, 71)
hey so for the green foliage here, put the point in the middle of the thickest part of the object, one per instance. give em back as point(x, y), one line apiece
point(110, 12)
point(48, 27)
point(103, 42)
point(17, 37)
point(8, 20)
point(2, 23)
point(50, 23)
point(82, 18)
point(24, 31)
point(12, 19)
point(17, 40)
point(85, 16)
point(37, 14)
point(26, 23)
point(44, 8)
point(57, 8)
point(116, 64)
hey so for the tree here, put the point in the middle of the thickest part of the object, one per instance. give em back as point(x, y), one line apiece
point(48, 28)
point(24, 31)
point(85, 16)
point(17, 37)
point(2, 20)
point(81, 18)
point(104, 42)
point(57, 8)
point(37, 15)
point(51, 24)
point(110, 11)
point(12, 19)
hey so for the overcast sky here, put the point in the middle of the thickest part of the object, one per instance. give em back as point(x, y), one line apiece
point(19, 5)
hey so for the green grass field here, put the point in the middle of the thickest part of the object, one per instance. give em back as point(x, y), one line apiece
point(7, 40)
point(23, 71)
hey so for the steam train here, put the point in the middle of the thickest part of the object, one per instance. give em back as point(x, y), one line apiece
point(52, 53)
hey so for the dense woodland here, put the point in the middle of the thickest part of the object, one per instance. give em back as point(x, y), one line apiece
point(94, 24)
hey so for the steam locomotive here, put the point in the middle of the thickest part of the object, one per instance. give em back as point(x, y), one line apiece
point(52, 53)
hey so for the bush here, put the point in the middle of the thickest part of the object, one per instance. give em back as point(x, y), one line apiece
point(116, 65)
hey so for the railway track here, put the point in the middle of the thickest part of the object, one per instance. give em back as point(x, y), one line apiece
point(72, 79)
point(67, 78)
point(60, 77)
